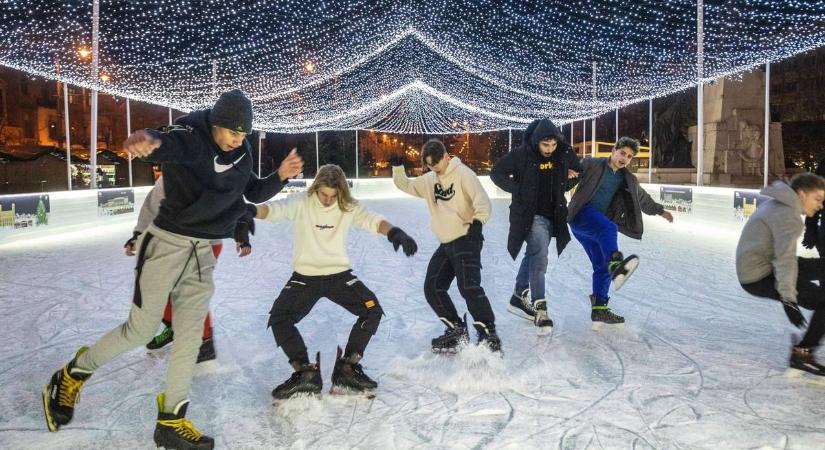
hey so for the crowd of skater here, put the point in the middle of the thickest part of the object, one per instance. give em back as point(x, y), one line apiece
point(208, 192)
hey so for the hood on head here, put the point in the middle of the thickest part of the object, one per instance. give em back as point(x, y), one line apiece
point(782, 192)
point(540, 130)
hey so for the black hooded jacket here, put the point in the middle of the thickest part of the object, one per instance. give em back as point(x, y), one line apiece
point(518, 173)
point(205, 186)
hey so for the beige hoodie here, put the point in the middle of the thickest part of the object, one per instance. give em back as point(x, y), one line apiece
point(455, 199)
point(320, 232)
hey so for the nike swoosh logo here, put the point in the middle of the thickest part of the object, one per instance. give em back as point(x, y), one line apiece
point(221, 168)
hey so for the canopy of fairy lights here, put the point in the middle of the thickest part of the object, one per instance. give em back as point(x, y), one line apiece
point(429, 66)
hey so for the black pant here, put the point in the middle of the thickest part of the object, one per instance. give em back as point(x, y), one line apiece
point(302, 292)
point(461, 260)
point(809, 296)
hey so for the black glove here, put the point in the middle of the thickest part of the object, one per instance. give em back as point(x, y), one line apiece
point(249, 218)
point(810, 239)
point(246, 225)
point(132, 240)
point(474, 233)
point(794, 314)
point(242, 230)
point(401, 239)
point(396, 160)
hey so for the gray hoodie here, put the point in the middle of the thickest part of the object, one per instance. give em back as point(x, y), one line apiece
point(769, 239)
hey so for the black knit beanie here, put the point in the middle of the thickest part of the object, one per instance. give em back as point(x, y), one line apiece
point(233, 111)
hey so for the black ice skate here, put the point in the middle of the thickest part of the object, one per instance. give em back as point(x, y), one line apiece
point(520, 305)
point(454, 337)
point(174, 431)
point(602, 315)
point(802, 359)
point(161, 340)
point(207, 351)
point(348, 376)
point(63, 392)
point(487, 336)
point(621, 269)
point(305, 380)
point(543, 323)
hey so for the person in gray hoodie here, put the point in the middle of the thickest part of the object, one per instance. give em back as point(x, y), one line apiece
point(609, 200)
point(767, 265)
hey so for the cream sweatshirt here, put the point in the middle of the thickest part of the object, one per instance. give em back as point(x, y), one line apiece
point(320, 233)
point(455, 199)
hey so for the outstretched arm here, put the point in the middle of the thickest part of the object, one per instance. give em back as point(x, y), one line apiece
point(413, 186)
point(259, 190)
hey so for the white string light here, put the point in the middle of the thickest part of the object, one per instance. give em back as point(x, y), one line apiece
point(398, 66)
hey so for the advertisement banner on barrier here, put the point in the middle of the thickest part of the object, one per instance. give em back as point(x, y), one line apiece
point(679, 199)
point(746, 202)
point(24, 211)
point(115, 201)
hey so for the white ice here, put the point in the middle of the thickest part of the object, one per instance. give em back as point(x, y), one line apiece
point(700, 364)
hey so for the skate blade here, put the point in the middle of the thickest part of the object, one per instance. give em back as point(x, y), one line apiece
point(369, 394)
point(597, 326)
point(50, 423)
point(298, 396)
point(445, 351)
point(630, 265)
point(156, 351)
point(797, 375)
point(519, 313)
point(544, 331)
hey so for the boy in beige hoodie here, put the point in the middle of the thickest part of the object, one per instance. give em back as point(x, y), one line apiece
point(458, 208)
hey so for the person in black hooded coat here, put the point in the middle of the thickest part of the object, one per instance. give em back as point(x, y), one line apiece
point(537, 175)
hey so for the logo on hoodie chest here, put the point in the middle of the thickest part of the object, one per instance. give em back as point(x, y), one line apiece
point(443, 194)
point(324, 227)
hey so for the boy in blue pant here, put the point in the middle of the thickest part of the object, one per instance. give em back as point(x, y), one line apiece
point(609, 200)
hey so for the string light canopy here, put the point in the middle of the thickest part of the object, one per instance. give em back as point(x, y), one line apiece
point(398, 66)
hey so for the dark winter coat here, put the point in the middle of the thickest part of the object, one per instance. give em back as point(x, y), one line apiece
point(627, 205)
point(518, 173)
point(205, 186)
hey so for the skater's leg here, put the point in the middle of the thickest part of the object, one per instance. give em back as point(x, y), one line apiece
point(811, 269)
point(601, 276)
point(190, 302)
point(440, 275)
point(349, 292)
point(538, 243)
point(811, 296)
point(160, 263)
point(465, 257)
point(523, 274)
point(167, 312)
point(294, 302)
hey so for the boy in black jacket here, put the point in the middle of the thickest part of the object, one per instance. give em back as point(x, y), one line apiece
point(536, 174)
point(207, 171)
point(609, 200)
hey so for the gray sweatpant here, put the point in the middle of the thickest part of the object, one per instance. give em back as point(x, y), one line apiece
point(169, 266)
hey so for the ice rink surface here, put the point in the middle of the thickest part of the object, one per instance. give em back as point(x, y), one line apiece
point(699, 364)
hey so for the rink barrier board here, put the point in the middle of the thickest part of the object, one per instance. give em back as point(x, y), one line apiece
point(83, 210)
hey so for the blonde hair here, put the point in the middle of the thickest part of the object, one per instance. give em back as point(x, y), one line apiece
point(332, 176)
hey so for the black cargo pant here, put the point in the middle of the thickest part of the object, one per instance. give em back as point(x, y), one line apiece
point(300, 295)
point(460, 260)
point(809, 296)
